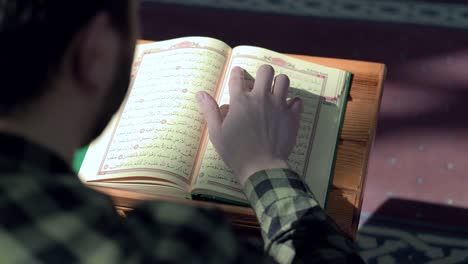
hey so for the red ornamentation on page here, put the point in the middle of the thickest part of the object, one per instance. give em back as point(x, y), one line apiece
point(279, 62)
point(186, 44)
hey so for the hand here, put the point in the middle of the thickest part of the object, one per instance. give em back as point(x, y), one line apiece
point(259, 131)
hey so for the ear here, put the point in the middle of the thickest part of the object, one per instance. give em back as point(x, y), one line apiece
point(95, 56)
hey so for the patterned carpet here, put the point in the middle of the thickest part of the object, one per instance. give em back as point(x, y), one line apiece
point(418, 12)
point(415, 202)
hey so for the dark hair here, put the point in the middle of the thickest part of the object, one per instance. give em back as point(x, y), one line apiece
point(34, 35)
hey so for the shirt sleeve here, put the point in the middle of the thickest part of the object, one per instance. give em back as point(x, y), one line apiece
point(294, 227)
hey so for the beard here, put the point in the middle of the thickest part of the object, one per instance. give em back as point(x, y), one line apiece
point(117, 92)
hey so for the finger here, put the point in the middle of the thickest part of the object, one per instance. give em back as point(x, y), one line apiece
point(263, 80)
point(281, 87)
point(224, 109)
point(236, 82)
point(249, 81)
point(212, 115)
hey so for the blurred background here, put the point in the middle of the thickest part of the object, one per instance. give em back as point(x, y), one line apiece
point(415, 199)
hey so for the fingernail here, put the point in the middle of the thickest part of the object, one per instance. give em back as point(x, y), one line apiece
point(200, 97)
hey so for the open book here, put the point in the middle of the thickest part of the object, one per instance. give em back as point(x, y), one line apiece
point(158, 142)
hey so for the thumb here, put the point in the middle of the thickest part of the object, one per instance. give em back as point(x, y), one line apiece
point(297, 107)
point(211, 113)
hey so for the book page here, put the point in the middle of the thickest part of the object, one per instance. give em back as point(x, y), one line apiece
point(313, 83)
point(157, 132)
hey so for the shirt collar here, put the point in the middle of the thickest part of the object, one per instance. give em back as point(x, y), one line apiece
point(19, 151)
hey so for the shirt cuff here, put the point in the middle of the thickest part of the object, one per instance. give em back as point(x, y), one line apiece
point(270, 186)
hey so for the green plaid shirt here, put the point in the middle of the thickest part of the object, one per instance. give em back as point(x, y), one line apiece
point(48, 216)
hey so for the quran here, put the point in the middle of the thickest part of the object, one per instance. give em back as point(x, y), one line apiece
point(158, 143)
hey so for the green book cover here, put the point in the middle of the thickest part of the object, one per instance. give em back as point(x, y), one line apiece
point(78, 158)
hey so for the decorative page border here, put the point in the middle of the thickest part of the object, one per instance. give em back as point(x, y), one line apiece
point(225, 186)
point(186, 45)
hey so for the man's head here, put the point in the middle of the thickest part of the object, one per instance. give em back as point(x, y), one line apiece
point(65, 63)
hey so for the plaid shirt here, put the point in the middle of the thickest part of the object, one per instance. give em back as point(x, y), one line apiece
point(48, 216)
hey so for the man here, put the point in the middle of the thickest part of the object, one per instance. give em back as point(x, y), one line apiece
point(65, 71)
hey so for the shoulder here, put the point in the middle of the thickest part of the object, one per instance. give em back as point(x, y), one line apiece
point(199, 232)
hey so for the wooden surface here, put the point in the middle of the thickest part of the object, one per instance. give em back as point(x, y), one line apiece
point(357, 136)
